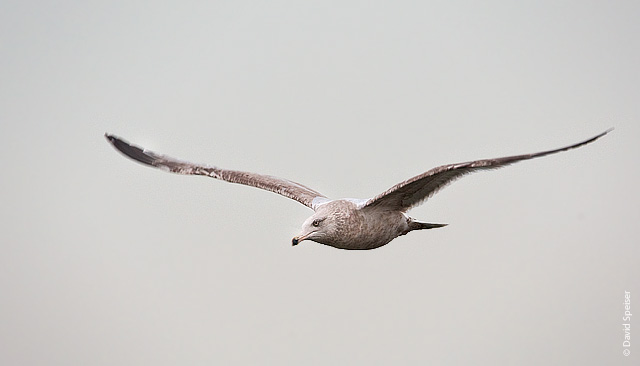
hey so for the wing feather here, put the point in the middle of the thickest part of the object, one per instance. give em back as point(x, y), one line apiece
point(287, 188)
point(414, 191)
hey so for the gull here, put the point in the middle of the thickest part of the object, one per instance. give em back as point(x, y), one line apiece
point(348, 223)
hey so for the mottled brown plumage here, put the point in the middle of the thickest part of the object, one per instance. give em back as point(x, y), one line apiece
point(344, 223)
point(281, 186)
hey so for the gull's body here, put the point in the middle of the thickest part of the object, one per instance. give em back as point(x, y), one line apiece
point(356, 227)
point(344, 223)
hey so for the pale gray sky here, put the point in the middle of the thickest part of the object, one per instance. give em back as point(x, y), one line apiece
point(105, 262)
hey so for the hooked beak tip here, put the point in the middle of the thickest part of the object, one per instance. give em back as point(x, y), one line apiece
point(298, 239)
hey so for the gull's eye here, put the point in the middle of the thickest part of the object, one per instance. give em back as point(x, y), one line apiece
point(316, 223)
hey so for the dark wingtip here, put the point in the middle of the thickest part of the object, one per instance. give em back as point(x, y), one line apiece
point(593, 138)
point(110, 138)
point(605, 132)
point(132, 151)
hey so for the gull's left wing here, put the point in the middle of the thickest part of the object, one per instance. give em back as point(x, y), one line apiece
point(287, 188)
point(414, 191)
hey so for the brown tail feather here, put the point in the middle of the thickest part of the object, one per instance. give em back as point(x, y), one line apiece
point(417, 225)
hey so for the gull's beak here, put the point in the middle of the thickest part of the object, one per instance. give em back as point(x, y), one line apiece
point(297, 239)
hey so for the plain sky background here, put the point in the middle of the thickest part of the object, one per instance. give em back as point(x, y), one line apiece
point(106, 262)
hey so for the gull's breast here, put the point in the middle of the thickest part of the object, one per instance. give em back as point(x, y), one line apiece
point(372, 229)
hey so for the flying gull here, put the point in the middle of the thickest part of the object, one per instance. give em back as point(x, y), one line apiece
point(344, 223)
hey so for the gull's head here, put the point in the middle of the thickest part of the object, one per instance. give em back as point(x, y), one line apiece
point(326, 224)
point(315, 228)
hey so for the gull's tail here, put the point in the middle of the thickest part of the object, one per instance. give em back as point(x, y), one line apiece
point(417, 225)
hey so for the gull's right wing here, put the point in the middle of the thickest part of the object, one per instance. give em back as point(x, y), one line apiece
point(414, 191)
